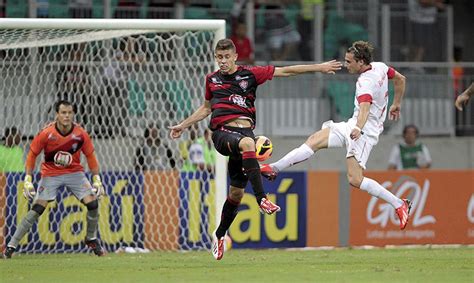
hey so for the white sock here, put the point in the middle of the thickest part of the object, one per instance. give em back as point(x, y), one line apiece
point(293, 157)
point(376, 190)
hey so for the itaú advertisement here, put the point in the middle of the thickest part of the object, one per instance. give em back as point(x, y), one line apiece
point(286, 228)
point(62, 226)
point(442, 210)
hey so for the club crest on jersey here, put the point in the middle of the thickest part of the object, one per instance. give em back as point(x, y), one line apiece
point(74, 147)
point(238, 99)
point(62, 159)
point(243, 85)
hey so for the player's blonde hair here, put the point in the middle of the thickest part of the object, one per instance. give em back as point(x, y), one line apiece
point(362, 50)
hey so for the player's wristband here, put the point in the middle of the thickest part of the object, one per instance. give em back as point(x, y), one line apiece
point(359, 129)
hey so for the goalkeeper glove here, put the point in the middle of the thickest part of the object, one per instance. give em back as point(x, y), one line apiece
point(28, 188)
point(97, 187)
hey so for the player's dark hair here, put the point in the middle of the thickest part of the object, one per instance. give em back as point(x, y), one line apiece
point(65, 103)
point(225, 44)
point(410, 126)
point(362, 50)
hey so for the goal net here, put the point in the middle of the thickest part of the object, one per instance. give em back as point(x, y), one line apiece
point(130, 80)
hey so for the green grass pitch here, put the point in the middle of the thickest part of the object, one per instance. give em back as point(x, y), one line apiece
point(339, 265)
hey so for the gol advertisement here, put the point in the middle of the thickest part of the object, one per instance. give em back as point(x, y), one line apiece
point(442, 210)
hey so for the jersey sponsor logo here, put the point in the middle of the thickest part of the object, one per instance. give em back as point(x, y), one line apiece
point(52, 137)
point(62, 159)
point(238, 99)
point(238, 78)
point(216, 81)
point(243, 85)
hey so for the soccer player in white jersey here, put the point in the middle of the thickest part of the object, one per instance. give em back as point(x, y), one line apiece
point(361, 132)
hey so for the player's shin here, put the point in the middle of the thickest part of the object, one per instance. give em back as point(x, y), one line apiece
point(293, 157)
point(229, 212)
point(92, 219)
point(376, 190)
point(26, 224)
point(252, 170)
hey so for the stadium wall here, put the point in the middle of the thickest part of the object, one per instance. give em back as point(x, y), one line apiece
point(318, 209)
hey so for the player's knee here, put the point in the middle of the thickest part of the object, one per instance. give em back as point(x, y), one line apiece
point(38, 208)
point(354, 179)
point(314, 141)
point(247, 144)
point(92, 205)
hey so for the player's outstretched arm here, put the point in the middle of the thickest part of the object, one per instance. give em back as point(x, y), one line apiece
point(399, 86)
point(202, 112)
point(464, 97)
point(329, 67)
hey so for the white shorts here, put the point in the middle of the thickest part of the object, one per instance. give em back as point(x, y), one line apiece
point(76, 183)
point(339, 136)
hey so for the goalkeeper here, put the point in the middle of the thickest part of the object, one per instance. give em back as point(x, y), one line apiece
point(62, 142)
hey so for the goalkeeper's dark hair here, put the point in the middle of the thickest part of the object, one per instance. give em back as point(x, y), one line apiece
point(225, 44)
point(65, 103)
point(362, 50)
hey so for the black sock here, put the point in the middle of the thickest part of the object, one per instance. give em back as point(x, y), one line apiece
point(229, 212)
point(252, 170)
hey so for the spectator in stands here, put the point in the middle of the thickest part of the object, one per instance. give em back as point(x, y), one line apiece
point(3, 4)
point(80, 8)
point(410, 154)
point(209, 152)
point(243, 45)
point(153, 154)
point(193, 155)
point(282, 38)
point(124, 56)
point(11, 154)
point(423, 15)
point(305, 28)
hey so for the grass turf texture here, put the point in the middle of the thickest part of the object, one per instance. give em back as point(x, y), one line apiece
point(340, 265)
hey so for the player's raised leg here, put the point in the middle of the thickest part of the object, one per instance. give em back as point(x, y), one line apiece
point(315, 142)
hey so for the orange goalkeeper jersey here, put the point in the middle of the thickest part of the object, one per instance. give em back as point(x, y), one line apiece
point(62, 153)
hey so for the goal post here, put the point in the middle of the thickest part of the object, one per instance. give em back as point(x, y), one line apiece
point(130, 80)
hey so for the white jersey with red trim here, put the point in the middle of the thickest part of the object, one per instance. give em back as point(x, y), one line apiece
point(372, 86)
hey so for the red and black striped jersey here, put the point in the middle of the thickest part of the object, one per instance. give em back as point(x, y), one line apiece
point(233, 96)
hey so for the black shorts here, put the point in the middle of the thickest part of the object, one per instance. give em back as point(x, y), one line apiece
point(226, 141)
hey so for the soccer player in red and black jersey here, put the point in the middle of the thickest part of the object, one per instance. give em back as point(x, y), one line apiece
point(230, 100)
point(62, 143)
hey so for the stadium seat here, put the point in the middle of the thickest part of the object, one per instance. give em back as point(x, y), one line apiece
point(58, 9)
point(17, 9)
